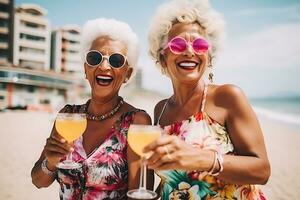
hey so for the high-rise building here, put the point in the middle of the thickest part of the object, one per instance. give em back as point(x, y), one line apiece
point(29, 83)
point(6, 31)
point(31, 38)
point(66, 53)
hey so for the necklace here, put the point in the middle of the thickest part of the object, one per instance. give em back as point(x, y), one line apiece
point(104, 116)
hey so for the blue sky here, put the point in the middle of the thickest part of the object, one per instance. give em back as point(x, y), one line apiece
point(261, 51)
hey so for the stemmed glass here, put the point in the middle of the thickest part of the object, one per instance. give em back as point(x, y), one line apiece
point(140, 136)
point(70, 126)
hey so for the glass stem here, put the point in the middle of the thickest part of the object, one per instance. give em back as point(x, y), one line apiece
point(143, 175)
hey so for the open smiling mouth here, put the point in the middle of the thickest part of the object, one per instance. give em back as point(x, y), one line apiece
point(187, 65)
point(104, 80)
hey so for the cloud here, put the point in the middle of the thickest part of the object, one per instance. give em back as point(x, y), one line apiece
point(291, 10)
point(274, 47)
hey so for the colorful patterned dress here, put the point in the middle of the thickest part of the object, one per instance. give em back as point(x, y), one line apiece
point(104, 174)
point(203, 132)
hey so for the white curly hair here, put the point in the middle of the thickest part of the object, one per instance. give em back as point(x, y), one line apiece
point(185, 11)
point(115, 30)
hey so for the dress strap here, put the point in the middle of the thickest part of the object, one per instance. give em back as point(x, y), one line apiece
point(204, 97)
point(162, 111)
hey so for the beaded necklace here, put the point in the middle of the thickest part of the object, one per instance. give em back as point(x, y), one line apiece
point(104, 116)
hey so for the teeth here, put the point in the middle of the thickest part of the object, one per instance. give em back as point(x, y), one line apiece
point(187, 64)
point(104, 77)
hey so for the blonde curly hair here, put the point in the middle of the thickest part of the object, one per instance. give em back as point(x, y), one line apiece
point(185, 11)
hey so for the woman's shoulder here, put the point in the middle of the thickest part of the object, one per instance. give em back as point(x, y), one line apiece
point(140, 116)
point(227, 95)
point(73, 108)
point(158, 107)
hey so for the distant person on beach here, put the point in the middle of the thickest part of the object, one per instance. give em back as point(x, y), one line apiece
point(109, 169)
point(214, 147)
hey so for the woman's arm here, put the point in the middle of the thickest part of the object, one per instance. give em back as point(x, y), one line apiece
point(56, 147)
point(134, 162)
point(251, 164)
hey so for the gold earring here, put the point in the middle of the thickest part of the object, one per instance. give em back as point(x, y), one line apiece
point(210, 66)
point(210, 75)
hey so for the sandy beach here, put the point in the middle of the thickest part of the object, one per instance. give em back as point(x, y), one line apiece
point(23, 136)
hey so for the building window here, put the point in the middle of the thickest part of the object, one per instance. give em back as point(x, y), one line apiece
point(31, 37)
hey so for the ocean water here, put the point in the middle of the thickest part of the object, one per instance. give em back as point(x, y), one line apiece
point(281, 109)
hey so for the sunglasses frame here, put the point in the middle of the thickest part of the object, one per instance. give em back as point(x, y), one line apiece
point(187, 43)
point(104, 57)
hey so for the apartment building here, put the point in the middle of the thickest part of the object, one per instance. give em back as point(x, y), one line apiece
point(31, 38)
point(6, 31)
point(29, 82)
point(66, 56)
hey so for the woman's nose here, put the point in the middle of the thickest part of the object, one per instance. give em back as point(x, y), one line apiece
point(105, 64)
point(189, 51)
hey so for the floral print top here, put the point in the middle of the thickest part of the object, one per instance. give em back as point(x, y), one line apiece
point(104, 172)
point(201, 131)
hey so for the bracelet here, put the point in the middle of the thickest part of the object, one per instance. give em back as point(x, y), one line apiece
point(45, 168)
point(214, 164)
point(219, 159)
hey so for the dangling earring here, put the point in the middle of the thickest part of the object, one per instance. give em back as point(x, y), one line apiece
point(210, 75)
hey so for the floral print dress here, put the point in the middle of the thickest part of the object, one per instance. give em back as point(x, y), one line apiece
point(201, 131)
point(104, 172)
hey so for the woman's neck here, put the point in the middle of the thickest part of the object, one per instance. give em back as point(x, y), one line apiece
point(183, 93)
point(99, 107)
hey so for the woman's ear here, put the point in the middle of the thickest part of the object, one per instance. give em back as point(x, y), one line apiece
point(128, 74)
point(162, 61)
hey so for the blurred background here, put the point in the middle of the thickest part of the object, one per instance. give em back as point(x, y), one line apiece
point(41, 69)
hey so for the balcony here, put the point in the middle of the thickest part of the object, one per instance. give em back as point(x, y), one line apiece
point(4, 15)
point(4, 30)
point(3, 45)
point(72, 37)
point(32, 18)
point(71, 57)
point(32, 44)
point(74, 67)
point(3, 60)
point(4, 1)
point(34, 31)
point(71, 46)
point(32, 57)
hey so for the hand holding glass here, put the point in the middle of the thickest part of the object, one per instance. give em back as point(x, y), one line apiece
point(140, 136)
point(70, 126)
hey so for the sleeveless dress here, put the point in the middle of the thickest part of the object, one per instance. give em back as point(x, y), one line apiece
point(203, 132)
point(104, 172)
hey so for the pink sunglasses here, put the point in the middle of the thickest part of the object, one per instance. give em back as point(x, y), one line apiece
point(178, 45)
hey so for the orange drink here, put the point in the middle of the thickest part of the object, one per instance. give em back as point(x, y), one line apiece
point(140, 136)
point(70, 128)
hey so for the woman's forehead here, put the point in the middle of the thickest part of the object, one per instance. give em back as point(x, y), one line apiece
point(107, 43)
point(182, 28)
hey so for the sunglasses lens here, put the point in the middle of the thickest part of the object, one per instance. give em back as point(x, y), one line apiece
point(116, 60)
point(93, 58)
point(200, 45)
point(177, 45)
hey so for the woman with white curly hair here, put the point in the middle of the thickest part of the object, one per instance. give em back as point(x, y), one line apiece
point(214, 146)
point(108, 169)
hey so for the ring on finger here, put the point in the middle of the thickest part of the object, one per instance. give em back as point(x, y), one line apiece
point(167, 152)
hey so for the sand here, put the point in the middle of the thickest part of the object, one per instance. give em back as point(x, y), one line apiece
point(23, 135)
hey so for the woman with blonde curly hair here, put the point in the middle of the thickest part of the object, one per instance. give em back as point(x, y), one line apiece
point(214, 146)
